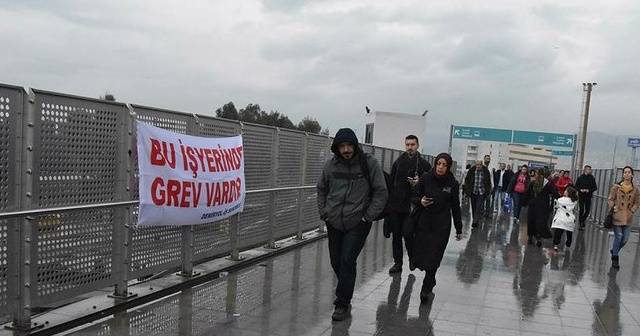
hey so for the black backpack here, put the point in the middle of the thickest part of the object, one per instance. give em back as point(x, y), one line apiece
point(387, 179)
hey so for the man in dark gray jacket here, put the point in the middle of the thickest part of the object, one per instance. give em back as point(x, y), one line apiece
point(348, 201)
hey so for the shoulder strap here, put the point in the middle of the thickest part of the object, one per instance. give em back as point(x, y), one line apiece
point(364, 166)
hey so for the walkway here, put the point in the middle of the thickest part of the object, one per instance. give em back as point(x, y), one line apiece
point(490, 283)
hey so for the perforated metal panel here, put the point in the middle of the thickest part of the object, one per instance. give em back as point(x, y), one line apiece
point(317, 146)
point(289, 158)
point(212, 239)
point(254, 220)
point(155, 249)
point(310, 217)
point(76, 157)
point(258, 149)
point(286, 213)
point(10, 110)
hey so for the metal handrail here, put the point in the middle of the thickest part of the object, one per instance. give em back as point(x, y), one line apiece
point(77, 208)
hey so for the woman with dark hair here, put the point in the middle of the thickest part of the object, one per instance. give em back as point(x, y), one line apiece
point(516, 188)
point(436, 202)
point(538, 198)
point(623, 198)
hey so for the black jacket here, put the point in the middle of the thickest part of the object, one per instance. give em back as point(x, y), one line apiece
point(401, 191)
point(506, 179)
point(469, 180)
point(434, 222)
point(586, 182)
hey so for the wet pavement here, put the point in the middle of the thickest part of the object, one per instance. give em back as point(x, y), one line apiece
point(490, 283)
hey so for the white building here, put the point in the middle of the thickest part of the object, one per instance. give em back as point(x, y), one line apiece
point(388, 129)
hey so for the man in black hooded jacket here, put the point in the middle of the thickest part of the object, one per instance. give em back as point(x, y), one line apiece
point(348, 201)
point(405, 173)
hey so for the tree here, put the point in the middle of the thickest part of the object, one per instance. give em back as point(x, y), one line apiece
point(310, 125)
point(250, 114)
point(254, 114)
point(228, 111)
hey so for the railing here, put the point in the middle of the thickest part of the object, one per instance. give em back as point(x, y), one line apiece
point(69, 191)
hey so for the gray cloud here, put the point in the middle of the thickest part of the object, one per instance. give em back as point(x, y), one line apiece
point(493, 64)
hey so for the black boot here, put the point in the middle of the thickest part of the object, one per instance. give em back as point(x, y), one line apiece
point(426, 296)
point(615, 262)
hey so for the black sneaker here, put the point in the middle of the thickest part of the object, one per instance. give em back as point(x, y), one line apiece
point(341, 313)
point(396, 268)
point(426, 297)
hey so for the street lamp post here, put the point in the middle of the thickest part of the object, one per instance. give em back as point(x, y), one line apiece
point(586, 88)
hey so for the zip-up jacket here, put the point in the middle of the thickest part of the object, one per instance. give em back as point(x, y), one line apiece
point(344, 194)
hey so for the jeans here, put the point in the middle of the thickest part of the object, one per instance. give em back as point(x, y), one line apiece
point(344, 248)
point(398, 229)
point(620, 237)
point(498, 200)
point(517, 204)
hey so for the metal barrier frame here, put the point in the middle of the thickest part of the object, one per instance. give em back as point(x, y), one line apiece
point(39, 214)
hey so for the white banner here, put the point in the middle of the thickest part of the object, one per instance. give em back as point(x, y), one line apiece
point(188, 180)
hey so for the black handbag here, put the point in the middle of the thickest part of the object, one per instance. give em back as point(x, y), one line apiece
point(608, 221)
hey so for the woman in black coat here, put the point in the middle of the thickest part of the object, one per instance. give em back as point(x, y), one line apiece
point(436, 202)
point(539, 198)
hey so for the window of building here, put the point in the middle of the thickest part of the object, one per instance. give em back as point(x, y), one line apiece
point(368, 133)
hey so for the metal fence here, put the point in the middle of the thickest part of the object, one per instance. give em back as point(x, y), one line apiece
point(69, 185)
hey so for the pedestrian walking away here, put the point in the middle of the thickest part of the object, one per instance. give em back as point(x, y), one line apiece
point(405, 174)
point(348, 203)
point(623, 198)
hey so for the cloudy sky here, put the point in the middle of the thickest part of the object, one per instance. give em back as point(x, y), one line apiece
point(492, 63)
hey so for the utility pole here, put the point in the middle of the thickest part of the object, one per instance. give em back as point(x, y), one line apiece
point(586, 88)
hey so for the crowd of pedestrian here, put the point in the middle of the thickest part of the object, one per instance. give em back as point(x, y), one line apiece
point(422, 203)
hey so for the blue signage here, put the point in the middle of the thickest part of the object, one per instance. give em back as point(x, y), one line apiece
point(633, 142)
point(479, 133)
point(543, 139)
point(562, 153)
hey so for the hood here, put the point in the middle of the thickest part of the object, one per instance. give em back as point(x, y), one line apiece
point(345, 135)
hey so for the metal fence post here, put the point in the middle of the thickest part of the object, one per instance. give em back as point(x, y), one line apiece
point(327, 155)
point(187, 231)
point(273, 199)
point(234, 227)
point(303, 177)
point(123, 218)
point(234, 221)
point(27, 263)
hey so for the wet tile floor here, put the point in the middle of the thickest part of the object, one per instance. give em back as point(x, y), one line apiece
point(490, 283)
